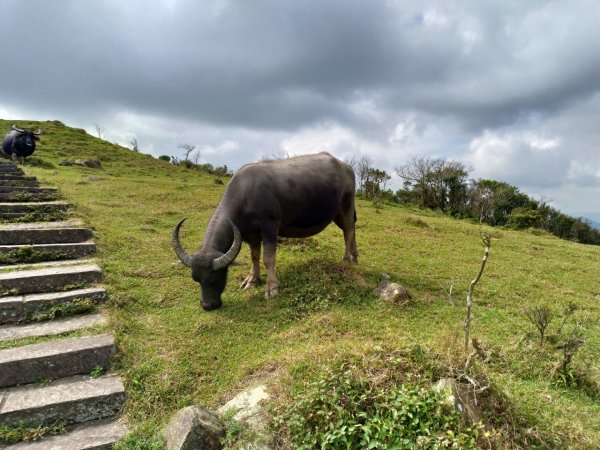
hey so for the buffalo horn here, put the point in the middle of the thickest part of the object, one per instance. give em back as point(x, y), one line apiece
point(227, 258)
point(14, 127)
point(179, 251)
point(38, 132)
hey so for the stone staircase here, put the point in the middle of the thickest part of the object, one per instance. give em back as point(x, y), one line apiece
point(49, 288)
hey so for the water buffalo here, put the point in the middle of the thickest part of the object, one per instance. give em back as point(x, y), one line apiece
point(296, 197)
point(18, 144)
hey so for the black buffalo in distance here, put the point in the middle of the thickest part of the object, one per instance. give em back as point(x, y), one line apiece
point(18, 143)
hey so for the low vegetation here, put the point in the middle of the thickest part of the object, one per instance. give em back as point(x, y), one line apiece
point(28, 255)
point(326, 334)
point(11, 435)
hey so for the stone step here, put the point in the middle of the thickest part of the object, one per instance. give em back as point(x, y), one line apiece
point(21, 308)
point(9, 177)
point(95, 435)
point(11, 197)
point(40, 211)
point(10, 169)
point(48, 251)
point(48, 264)
point(48, 279)
point(55, 359)
point(34, 189)
point(28, 183)
point(51, 233)
point(71, 400)
point(27, 217)
point(51, 327)
point(26, 207)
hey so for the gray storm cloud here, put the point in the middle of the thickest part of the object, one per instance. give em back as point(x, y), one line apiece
point(474, 81)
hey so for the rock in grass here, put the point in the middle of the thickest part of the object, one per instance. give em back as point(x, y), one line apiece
point(392, 292)
point(94, 164)
point(195, 427)
point(462, 397)
point(247, 408)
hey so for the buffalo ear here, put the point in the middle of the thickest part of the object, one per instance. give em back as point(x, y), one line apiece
point(36, 138)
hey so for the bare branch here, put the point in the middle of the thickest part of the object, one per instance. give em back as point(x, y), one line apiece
point(487, 239)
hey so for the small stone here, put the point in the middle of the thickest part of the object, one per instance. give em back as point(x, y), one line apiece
point(195, 427)
point(218, 181)
point(392, 292)
point(94, 164)
point(66, 163)
point(462, 397)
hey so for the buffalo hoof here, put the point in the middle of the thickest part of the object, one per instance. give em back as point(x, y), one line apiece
point(249, 282)
point(271, 292)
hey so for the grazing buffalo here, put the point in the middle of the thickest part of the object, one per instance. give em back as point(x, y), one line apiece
point(296, 197)
point(18, 144)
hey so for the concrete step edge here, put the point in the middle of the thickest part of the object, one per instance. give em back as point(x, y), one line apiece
point(49, 235)
point(71, 400)
point(47, 279)
point(54, 359)
point(23, 308)
point(43, 225)
point(95, 435)
point(48, 252)
point(48, 264)
point(52, 327)
point(43, 206)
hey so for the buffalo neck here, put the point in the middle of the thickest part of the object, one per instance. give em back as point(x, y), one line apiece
point(219, 234)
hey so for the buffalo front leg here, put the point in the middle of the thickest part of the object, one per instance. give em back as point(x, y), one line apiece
point(269, 256)
point(347, 222)
point(253, 277)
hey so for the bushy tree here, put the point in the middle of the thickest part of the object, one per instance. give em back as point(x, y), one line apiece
point(439, 184)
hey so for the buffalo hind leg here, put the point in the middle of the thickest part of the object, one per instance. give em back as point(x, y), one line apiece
point(346, 220)
point(253, 277)
point(269, 257)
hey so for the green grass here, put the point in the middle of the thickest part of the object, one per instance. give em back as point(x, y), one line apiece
point(10, 435)
point(173, 354)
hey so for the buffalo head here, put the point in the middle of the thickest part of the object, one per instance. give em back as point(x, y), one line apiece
point(27, 137)
point(209, 266)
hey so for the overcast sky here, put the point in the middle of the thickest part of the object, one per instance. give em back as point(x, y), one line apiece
point(511, 88)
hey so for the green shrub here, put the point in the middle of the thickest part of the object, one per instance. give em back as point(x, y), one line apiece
point(341, 410)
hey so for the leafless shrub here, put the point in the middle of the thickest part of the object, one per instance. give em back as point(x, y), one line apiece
point(540, 316)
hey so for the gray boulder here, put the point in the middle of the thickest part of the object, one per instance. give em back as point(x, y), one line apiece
point(195, 428)
point(94, 164)
point(392, 292)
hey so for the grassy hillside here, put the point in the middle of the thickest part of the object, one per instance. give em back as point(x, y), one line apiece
point(173, 354)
